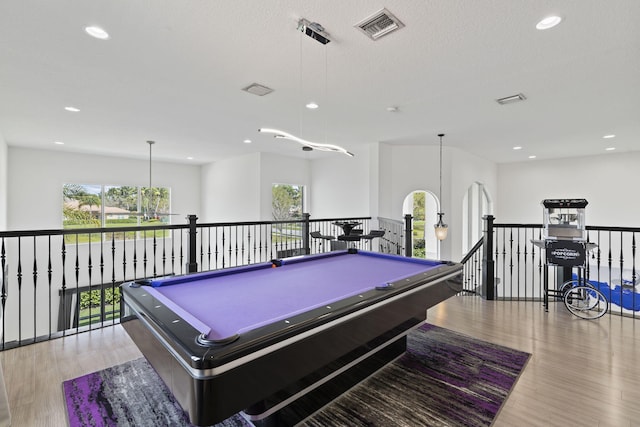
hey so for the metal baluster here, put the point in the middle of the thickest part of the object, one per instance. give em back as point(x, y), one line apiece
point(216, 250)
point(223, 247)
point(518, 253)
point(173, 252)
point(164, 252)
point(144, 254)
point(77, 276)
point(181, 253)
point(633, 273)
point(155, 253)
point(90, 267)
point(540, 264)
point(621, 279)
point(504, 258)
point(201, 250)
point(610, 258)
point(236, 244)
point(102, 304)
point(242, 247)
point(64, 287)
point(135, 256)
point(5, 289)
point(255, 231)
point(49, 282)
point(19, 275)
point(209, 248)
point(35, 289)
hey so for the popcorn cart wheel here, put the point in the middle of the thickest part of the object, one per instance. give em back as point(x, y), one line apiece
point(583, 299)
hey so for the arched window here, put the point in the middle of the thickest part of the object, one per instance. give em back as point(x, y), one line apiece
point(423, 207)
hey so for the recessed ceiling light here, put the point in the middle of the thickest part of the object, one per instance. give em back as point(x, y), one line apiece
point(532, 157)
point(247, 141)
point(312, 105)
point(610, 148)
point(392, 109)
point(97, 32)
point(548, 22)
point(517, 148)
point(189, 158)
point(72, 109)
point(58, 142)
point(609, 136)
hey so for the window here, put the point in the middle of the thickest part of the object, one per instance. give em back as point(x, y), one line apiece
point(91, 206)
point(287, 207)
point(287, 202)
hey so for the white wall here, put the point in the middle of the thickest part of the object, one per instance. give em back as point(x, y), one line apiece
point(340, 186)
point(609, 183)
point(231, 189)
point(239, 188)
point(4, 176)
point(36, 178)
point(463, 170)
point(404, 169)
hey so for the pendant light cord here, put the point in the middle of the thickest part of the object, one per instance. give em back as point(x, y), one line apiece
point(440, 195)
point(150, 164)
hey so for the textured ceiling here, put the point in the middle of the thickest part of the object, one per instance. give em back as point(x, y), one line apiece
point(173, 71)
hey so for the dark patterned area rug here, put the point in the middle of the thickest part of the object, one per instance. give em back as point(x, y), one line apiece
point(444, 379)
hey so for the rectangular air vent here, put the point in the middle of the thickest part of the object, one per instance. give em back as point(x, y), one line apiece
point(257, 89)
point(379, 24)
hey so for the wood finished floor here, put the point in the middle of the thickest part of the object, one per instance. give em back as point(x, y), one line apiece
point(581, 373)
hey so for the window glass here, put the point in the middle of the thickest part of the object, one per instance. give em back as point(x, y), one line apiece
point(92, 206)
point(287, 202)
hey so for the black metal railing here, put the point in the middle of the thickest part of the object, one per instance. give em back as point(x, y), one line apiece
point(518, 265)
point(60, 282)
point(472, 269)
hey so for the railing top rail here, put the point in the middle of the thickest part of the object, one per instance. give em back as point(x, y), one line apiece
point(502, 225)
point(473, 250)
point(287, 221)
point(355, 218)
point(96, 230)
point(588, 227)
point(609, 228)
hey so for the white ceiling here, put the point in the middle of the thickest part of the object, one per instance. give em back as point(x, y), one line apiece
point(173, 71)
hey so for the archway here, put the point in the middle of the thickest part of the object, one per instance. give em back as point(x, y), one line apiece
point(476, 203)
point(423, 207)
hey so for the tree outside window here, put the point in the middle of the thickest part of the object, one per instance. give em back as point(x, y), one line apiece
point(287, 205)
point(287, 202)
point(91, 206)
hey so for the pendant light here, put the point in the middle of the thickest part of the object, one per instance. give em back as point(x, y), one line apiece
point(318, 33)
point(440, 227)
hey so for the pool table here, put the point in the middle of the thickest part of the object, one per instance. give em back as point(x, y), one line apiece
point(262, 337)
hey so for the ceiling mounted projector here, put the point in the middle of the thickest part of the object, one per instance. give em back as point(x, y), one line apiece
point(314, 30)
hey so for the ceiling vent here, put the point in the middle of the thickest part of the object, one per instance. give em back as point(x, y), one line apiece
point(257, 89)
point(511, 99)
point(379, 24)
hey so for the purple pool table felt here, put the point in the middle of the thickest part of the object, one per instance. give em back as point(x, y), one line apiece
point(221, 306)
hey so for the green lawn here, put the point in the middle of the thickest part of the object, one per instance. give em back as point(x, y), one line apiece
point(121, 235)
point(111, 312)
